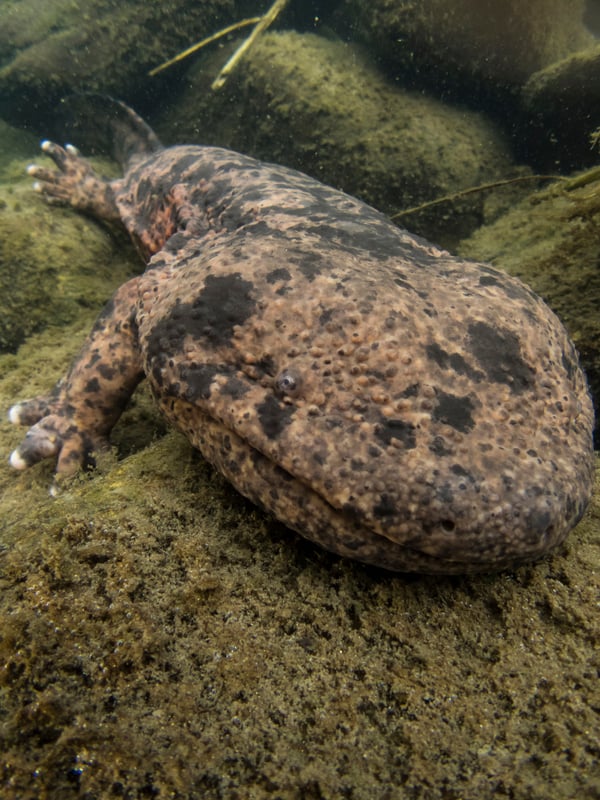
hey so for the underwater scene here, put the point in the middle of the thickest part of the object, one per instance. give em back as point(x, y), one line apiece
point(299, 357)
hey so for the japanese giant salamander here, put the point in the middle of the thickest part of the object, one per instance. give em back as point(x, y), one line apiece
point(393, 403)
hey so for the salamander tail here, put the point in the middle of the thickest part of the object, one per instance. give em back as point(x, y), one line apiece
point(105, 125)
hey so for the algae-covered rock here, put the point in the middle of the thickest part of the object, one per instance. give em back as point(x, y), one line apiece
point(468, 42)
point(55, 48)
point(551, 241)
point(322, 107)
point(53, 263)
point(15, 146)
point(561, 107)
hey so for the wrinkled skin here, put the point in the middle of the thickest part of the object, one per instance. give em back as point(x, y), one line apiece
point(382, 398)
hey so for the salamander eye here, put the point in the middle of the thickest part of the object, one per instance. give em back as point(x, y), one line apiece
point(288, 383)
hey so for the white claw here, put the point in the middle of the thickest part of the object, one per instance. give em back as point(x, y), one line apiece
point(16, 461)
point(72, 150)
point(14, 414)
point(37, 187)
point(31, 168)
point(46, 145)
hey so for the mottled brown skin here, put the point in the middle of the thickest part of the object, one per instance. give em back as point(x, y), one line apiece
point(382, 398)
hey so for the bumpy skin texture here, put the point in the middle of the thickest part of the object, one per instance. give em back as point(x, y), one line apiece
point(390, 402)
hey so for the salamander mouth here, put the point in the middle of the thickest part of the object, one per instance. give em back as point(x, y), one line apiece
point(434, 548)
point(431, 548)
point(437, 538)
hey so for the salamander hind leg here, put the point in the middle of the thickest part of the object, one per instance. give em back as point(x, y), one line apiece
point(74, 420)
point(74, 183)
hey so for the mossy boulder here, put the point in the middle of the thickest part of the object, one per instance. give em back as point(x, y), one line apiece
point(53, 264)
point(59, 47)
point(561, 112)
point(496, 44)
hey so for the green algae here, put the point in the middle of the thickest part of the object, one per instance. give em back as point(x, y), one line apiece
point(68, 46)
point(53, 263)
point(15, 146)
point(559, 103)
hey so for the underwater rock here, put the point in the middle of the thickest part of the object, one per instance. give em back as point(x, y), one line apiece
point(467, 42)
point(58, 47)
point(15, 146)
point(561, 108)
point(52, 267)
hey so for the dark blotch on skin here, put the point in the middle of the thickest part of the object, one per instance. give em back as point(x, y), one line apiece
point(385, 508)
point(326, 316)
point(267, 366)
point(368, 233)
point(454, 411)
point(457, 469)
point(452, 361)
point(488, 280)
point(389, 429)
point(93, 385)
point(512, 289)
point(308, 264)
point(281, 274)
point(224, 302)
point(404, 284)
point(198, 378)
point(538, 522)
point(499, 355)
point(445, 494)
point(410, 391)
point(107, 371)
point(235, 388)
point(439, 447)
point(273, 416)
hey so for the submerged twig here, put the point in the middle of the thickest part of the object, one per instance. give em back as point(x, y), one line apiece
point(263, 24)
point(218, 35)
point(473, 190)
point(583, 179)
